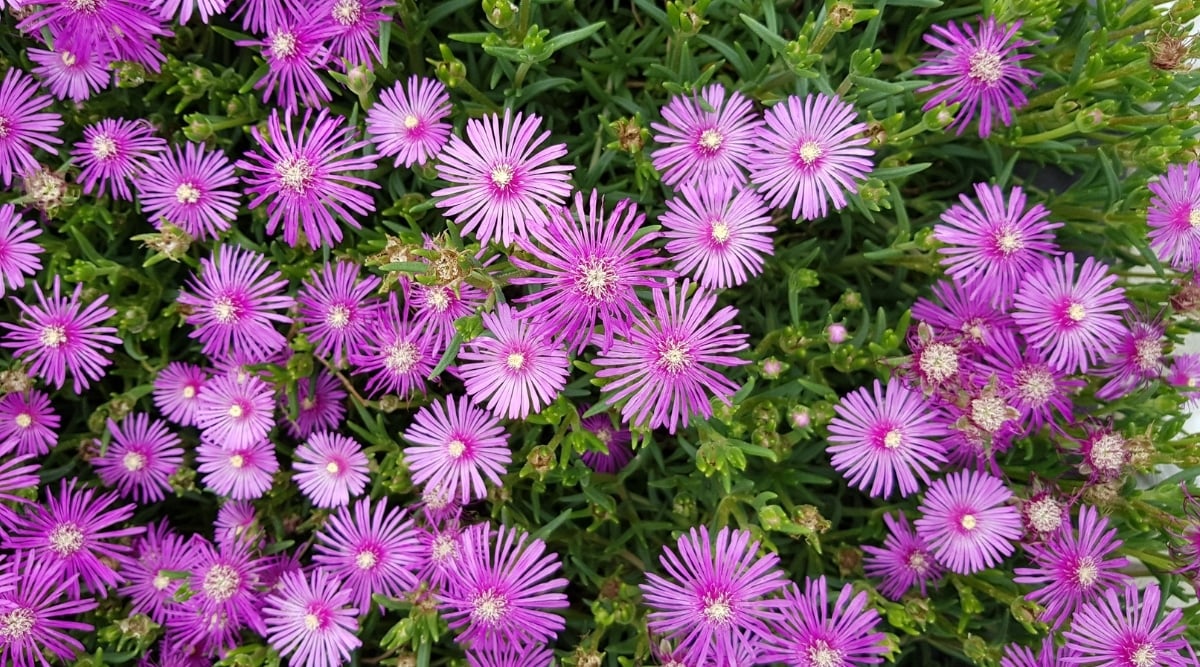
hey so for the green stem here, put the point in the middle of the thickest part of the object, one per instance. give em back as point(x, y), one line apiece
point(1135, 67)
point(1049, 135)
point(525, 14)
point(476, 95)
point(826, 33)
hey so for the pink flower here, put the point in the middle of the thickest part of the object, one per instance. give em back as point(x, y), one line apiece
point(717, 235)
point(236, 411)
point(18, 252)
point(26, 125)
point(191, 188)
point(140, 459)
point(454, 446)
point(409, 122)
point(113, 153)
point(517, 369)
point(706, 142)
point(330, 469)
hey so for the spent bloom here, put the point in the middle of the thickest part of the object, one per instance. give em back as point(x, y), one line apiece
point(140, 459)
point(115, 152)
point(1174, 216)
point(1135, 360)
point(320, 405)
point(517, 369)
point(967, 523)
point(308, 620)
point(718, 235)
point(616, 439)
point(706, 142)
point(396, 354)
point(28, 423)
point(337, 308)
point(24, 125)
point(371, 548)
point(1124, 629)
point(982, 72)
point(192, 188)
point(75, 69)
point(330, 469)
point(37, 618)
point(409, 121)
point(241, 472)
point(807, 633)
point(18, 252)
point(454, 445)
point(903, 561)
point(177, 391)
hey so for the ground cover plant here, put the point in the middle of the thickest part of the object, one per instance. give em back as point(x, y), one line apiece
point(377, 332)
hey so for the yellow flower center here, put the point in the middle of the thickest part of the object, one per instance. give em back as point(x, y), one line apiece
point(295, 174)
point(68, 59)
point(1010, 241)
point(411, 122)
point(24, 419)
point(1076, 312)
point(674, 358)
point(237, 461)
point(710, 140)
point(720, 232)
point(502, 176)
point(333, 468)
point(133, 461)
point(236, 411)
point(456, 448)
point(968, 522)
point(224, 310)
point(893, 439)
point(1193, 217)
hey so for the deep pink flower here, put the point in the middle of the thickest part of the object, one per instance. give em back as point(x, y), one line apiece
point(396, 354)
point(1049, 656)
point(337, 308)
point(717, 235)
point(177, 391)
point(320, 404)
point(903, 561)
point(18, 252)
point(615, 439)
point(36, 618)
point(236, 411)
point(224, 582)
point(1038, 390)
point(454, 445)
point(372, 548)
point(259, 16)
point(1174, 216)
point(126, 26)
point(440, 552)
point(76, 69)
point(182, 10)
point(309, 622)
point(1136, 360)
point(354, 38)
point(140, 459)
point(437, 307)
point(1127, 630)
point(237, 522)
point(516, 655)
point(517, 368)
point(191, 188)
point(808, 634)
point(294, 50)
point(18, 480)
point(241, 472)
point(115, 152)
point(967, 523)
point(409, 121)
point(145, 569)
point(706, 142)
point(28, 424)
point(24, 125)
point(330, 469)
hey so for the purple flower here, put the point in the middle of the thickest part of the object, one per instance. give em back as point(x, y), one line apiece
point(1044, 514)
point(502, 591)
point(294, 50)
point(662, 369)
point(809, 154)
point(982, 71)
point(28, 424)
point(409, 122)
point(61, 335)
point(615, 440)
point(966, 522)
point(1072, 317)
point(717, 235)
point(113, 153)
point(715, 599)
point(1034, 387)
point(18, 254)
point(126, 27)
point(1136, 359)
point(396, 354)
point(36, 619)
point(502, 179)
point(1174, 216)
point(1183, 373)
point(1123, 631)
point(76, 68)
point(991, 246)
point(140, 459)
point(955, 308)
point(436, 308)
point(1074, 569)
point(904, 560)
point(320, 403)
point(260, 15)
point(233, 302)
point(518, 655)
point(939, 364)
point(355, 29)
point(191, 188)
point(371, 549)
point(706, 142)
point(224, 582)
point(517, 369)
point(1049, 656)
point(308, 620)
point(24, 125)
point(330, 469)
point(302, 176)
point(17, 474)
point(1105, 454)
point(806, 633)
point(182, 10)
point(148, 586)
point(241, 472)
point(589, 270)
point(337, 309)
point(440, 553)
point(236, 411)
point(177, 391)
point(237, 522)
point(885, 441)
point(454, 445)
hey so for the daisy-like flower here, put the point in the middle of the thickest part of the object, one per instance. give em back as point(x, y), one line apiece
point(191, 189)
point(982, 70)
point(1044, 514)
point(140, 459)
point(177, 391)
point(717, 235)
point(940, 362)
point(517, 369)
point(237, 522)
point(233, 303)
point(236, 411)
point(615, 439)
point(1074, 568)
point(519, 655)
point(454, 445)
point(1174, 216)
point(1136, 359)
point(302, 176)
point(1183, 373)
point(258, 16)
point(28, 424)
point(224, 581)
point(113, 153)
point(1072, 317)
point(436, 307)
point(371, 548)
point(18, 476)
point(18, 254)
point(409, 121)
point(148, 585)
point(182, 10)
point(77, 531)
point(662, 369)
point(396, 355)
point(25, 125)
point(330, 469)
point(76, 69)
point(886, 440)
point(1034, 387)
point(308, 620)
point(1125, 630)
point(589, 270)
point(903, 561)
point(127, 27)
point(967, 523)
point(810, 153)
point(808, 634)
point(502, 180)
point(320, 403)
point(294, 50)
point(1049, 656)
point(241, 472)
point(440, 553)
point(707, 139)
point(714, 601)
point(36, 619)
point(502, 591)
point(60, 335)
point(355, 30)
point(993, 244)
point(337, 308)
point(955, 308)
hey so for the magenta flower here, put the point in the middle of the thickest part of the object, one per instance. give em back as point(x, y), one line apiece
point(1136, 360)
point(236, 522)
point(808, 634)
point(36, 618)
point(903, 561)
point(1183, 374)
point(330, 469)
point(662, 368)
point(371, 549)
point(60, 335)
point(113, 153)
point(714, 602)
point(24, 125)
point(978, 322)
point(18, 481)
point(982, 71)
point(191, 188)
point(717, 235)
point(501, 180)
point(177, 391)
point(809, 154)
point(615, 439)
point(1073, 569)
point(886, 441)
point(182, 10)
point(440, 553)
point(337, 309)
point(589, 270)
point(517, 369)
point(224, 583)
point(1174, 216)
point(355, 30)
point(437, 307)
point(1121, 630)
point(706, 143)
point(140, 459)
point(18, 254)
point(28, 424)
point(76, 68)
point(502, 591)
point(966, 522)
point(241, 472)
point(294, 50)
point(1074, 318)
point(302, 176)
point(233, 303)
point(991, 246)
point(236, 411)
point(396, 355)
point(1034, 387)
point(148, 586)
point(127, 27)
point(320, 403)
point(453, 446)
point(1049, 656)
point(259, 16)
point(409, 122)
point(518, 655)
point(308, 620)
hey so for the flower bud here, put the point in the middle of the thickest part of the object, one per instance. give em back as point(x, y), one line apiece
point(360, 80)
point(836, 333)
point(500, 13)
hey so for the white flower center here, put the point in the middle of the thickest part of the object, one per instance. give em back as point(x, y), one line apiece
point(502, 176)
point(221, 582)
point(83, 5)
point(187, 193)
point(189, 392)
point(893, 439)
point(1087, 572)
point(1144, 656)
point(968, 522)
point(810, 152)
point(53, 337)
point(1193, 215)
point(674, 357)
point(821, 654)
point(1108, 453)
point(1076, 312)
point(283, 45)
point(237, 461)
point(489, 607)
point(596, 278)
point(366, 559)
point(1045, 515)
point(918, 563)
point(333, 468)
point(437, 298)
point(161, 581)
point(224, 310)
point(236, 411)
point(68, 59)
point(939, 362)
point(295, 174)
point(515, 361)
point(1035, 385)
point(1148, 353)
point(1009, 241)
point(710, 140)
point(718, 609)
point(103, 147)
point(338, 317)
point(347, 12)
point(16, 625)
point(401, 357)
point(720, 232)
point(986, 66)
point(133, 461)
point(604, 435)
point(990, 413)
point(4, 127)
point(444, 549)
point(456, 448)
point(66, 539)
point(24, 419)
point(311, 622)
point(411, 122)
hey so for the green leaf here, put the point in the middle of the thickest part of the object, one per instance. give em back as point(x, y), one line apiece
point(567, 38)
point(768, 36)
point(901, 172)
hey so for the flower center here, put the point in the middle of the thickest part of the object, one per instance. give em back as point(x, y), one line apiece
point(918, 563)
point(596, 278)
point(66, 539)
point(437, 298)
point(1087, 572)
point(502, 176)
point(220, 582)
point(968, 522)
point(338, 317)
point(187, 193)
point(225, 310)
point(411, 122)
point(134, 461)
point(986, 66)
point(283, 45)
point(189, 392)
point(236, 411)
point(809, 152)
point(366, 559)
point(311, 622)
point(1108, 453)
point(718, 609)
point(1076, 312)
point(990, 413)
point(893, 439)
point(347, 12)
point(103, 147)
point(1144, 656)
point(16, 624)
point(1148, 353)
point(295, 174)
point(333, 468)
point(710, 140)
point(939, 362)
point(53, 337)
point(161, 581)
point(515, 361)
point(674, 357)
point(444, 548)
point(821, 654)
point(456, 448)
point(1009, 241)
point(720, 232)
point(401, 357)
point(1035, 385)
point(1193, 215)
point(24, 419)
point(1045, 515)
point(4, 125)
point(237, 461)
point(68, 59)
point(489, 607)
point(604, 435)
point(83, 5)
